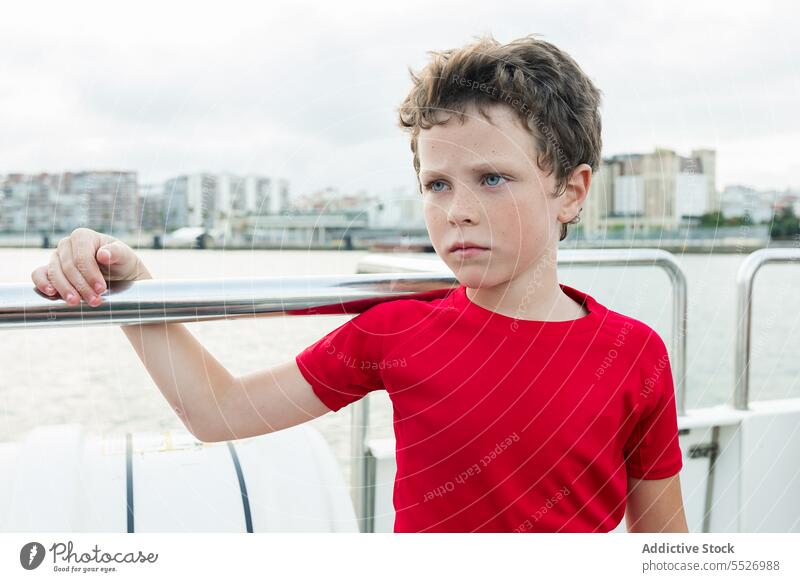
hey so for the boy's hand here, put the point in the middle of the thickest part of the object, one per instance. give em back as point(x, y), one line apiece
point(83, 262)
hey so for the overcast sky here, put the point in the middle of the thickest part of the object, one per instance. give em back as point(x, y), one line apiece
point(309, 90)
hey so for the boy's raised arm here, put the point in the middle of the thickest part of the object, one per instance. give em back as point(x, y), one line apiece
point(212, 404)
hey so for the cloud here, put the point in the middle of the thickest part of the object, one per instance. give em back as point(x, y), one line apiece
point(287, 87)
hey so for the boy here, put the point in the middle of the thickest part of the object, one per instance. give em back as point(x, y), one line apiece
point(520, 404)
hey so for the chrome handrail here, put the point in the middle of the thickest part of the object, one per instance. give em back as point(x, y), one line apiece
point(744, 303)
point(361, 471)
point(190, 300)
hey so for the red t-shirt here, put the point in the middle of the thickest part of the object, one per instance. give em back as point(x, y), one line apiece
point(506, 424)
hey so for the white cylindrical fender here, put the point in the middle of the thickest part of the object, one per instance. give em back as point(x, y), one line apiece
point(58, 478)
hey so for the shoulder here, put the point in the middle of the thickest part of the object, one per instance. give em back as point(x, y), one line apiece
point(389, 313)
point(648, 344)
point(621, 329)
point(650, 357)
point(618, 323)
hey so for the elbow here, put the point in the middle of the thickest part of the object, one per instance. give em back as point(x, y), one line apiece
point(221, 436)
point(203, 432)
point(200, 431)
point(214, 434)
point(206, 437)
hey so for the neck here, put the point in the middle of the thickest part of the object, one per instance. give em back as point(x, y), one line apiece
point(534, 295)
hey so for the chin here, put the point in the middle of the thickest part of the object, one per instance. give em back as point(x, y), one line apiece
point(476, 277)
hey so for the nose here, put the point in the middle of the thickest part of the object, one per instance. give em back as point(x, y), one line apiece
point(464, 207)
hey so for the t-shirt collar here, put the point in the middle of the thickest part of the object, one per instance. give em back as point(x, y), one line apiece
point(589, 322)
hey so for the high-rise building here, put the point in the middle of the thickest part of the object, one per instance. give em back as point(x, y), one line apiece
point(655, 190)
point(738, 201)
point(217, 201)
point(152, 207)
point(56, 203)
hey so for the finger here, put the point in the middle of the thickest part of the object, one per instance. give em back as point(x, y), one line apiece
point(109, 254)
point(39, 278)
point(123, 264)
point(84, 246)
point(70, 270)
point(116, 260)
point(59, 281)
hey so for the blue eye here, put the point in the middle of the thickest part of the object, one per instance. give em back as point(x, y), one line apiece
point(488, 176)
point(429, 184)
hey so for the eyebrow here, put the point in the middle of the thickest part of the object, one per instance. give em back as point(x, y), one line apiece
point(478, 169)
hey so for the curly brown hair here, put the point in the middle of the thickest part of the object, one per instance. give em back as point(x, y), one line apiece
point(551, 95)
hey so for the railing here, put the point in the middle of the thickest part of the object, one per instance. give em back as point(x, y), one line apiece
point(744, 311)
point(362, 473)
point(189, 300)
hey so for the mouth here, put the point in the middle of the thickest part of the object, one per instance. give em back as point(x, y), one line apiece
point(467, 250)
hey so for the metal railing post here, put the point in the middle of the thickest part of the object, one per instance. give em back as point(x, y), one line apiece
point(359, 478)
point(744, 312)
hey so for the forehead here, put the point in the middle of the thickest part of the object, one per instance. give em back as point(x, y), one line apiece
point(502, 135)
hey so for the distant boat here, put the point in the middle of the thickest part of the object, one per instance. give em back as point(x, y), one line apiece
point(189, 236)
point(405, 244)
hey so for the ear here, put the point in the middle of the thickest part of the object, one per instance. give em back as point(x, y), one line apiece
point(574, 196)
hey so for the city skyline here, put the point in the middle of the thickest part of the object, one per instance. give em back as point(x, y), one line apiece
point(597, 175)
point(635, 192)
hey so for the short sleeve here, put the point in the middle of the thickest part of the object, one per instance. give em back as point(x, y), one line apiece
point(344, 365)
point(653, 450)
